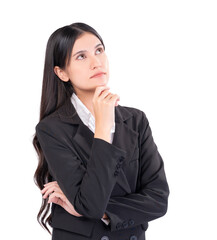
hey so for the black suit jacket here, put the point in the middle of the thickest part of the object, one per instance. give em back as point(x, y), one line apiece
point(125, 179)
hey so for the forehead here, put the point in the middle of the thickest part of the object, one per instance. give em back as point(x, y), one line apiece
point(87, 41)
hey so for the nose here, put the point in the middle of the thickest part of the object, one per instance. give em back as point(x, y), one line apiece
point(95, 62)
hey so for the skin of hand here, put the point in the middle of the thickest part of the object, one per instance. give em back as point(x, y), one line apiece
point(58, 197)
point(103, 105)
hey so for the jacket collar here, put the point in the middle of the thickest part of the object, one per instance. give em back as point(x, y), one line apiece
point(124, 137)
point(68, 113)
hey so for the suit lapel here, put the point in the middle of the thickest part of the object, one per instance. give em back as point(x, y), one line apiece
point(124, 136)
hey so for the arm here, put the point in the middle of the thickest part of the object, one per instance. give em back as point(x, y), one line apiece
point(87, 189)
point(150, 202)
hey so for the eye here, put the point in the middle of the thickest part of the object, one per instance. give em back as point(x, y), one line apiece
point(100, 49)
point(81, 55)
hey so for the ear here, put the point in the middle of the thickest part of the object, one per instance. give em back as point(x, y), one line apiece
point(61, 74)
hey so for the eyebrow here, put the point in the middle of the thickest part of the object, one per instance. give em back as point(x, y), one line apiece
point(82, 51)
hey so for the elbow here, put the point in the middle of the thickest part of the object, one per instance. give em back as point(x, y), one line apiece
point(97, 214)
point(164, 206)
point(93, 211)
point(161, 208)
point(161, 202)
point(96, 211)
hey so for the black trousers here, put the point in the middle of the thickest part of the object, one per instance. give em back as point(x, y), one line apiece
point(101, 232)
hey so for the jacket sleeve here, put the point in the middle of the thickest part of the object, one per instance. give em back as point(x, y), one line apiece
point(150, 201)
point(88, 189)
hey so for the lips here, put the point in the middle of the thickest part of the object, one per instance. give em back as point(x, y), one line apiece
point(98, 74)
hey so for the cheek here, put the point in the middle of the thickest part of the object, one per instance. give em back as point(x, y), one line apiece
point(105, 62)
point(78, 74)
point(107, 68)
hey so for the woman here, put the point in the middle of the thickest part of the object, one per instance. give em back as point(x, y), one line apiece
point(104, 175)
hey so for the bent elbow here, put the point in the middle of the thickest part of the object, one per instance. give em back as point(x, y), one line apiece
point(164, 206)
point(162, 201)
point(88, 210)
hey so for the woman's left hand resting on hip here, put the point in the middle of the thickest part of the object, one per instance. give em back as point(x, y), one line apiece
point(58, 197)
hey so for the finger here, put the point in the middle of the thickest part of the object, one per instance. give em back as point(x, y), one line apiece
point(108, 97)
point(58, 195)
point(50, 190)
point(99, 90)
point(116, 103)
point(104, 95)
point(113, 99)
point(46, 184)
point(48, 193)
point(56, 200)
point(49, 186)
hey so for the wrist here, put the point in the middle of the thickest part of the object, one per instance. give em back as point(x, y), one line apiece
point(105, 216)
point(103, 134)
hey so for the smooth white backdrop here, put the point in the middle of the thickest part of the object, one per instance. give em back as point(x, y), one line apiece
point(163, 58)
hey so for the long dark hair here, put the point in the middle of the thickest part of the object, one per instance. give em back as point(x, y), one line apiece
point(54, 94)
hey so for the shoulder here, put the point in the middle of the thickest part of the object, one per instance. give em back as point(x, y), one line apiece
point(136, 113)
point(48, 122)
point(136, 116)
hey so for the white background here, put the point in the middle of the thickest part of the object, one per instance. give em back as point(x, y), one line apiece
point(163, 58)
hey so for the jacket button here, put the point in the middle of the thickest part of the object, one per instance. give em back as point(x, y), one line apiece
point(119, 226)
point(116, 173)
point(118, 165)
point(131, 221)
point(133, 237)
point(125, 224)
point(105, 238)
point(121, 159)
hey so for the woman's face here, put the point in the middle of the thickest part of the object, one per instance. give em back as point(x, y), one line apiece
point(88, 58)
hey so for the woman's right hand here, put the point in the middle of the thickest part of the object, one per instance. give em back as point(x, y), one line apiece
point(104, 103)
